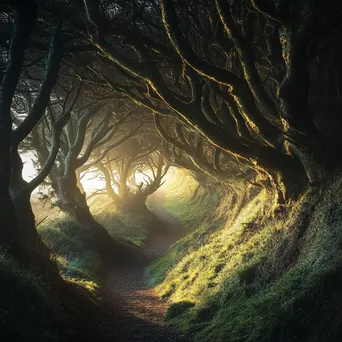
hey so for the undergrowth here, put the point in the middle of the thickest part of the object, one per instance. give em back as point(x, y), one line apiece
point(183, 197)
point(241, 275)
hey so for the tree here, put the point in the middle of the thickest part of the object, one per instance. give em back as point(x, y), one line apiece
point(19, 232)
point(253, 58)
point(188, 149)
point(17, 229)
point(90, 127)
point(30, 94)
point(121, 169)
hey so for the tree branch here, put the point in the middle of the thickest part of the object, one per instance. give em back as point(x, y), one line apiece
point(24, 21)
point(42, 100)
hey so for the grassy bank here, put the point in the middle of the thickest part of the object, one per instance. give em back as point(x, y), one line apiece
point(240, 275)
point(27, 311)
point(125, 228)
point(186, 200)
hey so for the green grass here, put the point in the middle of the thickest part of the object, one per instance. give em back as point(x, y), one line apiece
point(125, 228)
point(183, 199)
point(242, 276)
point(26, 311)
point(74, 250)
point(74, 247)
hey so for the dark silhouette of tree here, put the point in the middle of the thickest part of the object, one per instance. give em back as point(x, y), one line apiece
point(27, 83)
point(18, 231)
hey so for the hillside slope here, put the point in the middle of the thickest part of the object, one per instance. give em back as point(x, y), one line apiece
point(241, 275)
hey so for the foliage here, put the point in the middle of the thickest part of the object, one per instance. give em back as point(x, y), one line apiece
point(256, 278)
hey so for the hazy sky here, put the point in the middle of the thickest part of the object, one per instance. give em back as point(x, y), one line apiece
point(29, 170)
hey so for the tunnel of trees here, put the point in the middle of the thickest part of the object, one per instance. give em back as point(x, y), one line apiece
point(239, 94)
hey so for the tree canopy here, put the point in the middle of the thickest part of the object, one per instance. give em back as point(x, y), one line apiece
point(235, 91)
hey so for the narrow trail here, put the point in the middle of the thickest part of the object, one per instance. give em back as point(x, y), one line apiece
point(135, 312)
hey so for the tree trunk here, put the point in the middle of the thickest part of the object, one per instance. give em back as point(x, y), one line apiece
point(30, 248)
point(130, 204)
point(290, 175)
point(74, 203)
point(9, 232)
point(26, 218)
point(136, 206)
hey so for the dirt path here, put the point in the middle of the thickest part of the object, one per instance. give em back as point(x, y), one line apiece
point(135, 313)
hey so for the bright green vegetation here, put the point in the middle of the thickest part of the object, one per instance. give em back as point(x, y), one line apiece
point(74, 250)
point(74, 247)
point(240, 275)
point(188, 201)
point(125, 228)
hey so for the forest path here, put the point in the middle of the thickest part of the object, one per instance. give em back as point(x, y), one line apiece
point(135, 312)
